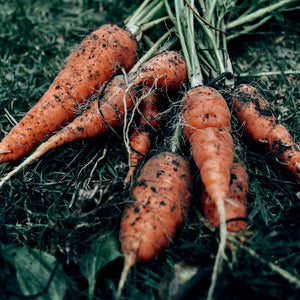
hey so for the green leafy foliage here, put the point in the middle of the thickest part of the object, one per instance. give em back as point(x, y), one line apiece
point(37, 273)
point(104, 250)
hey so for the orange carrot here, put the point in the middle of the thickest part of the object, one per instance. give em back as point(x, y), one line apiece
point(160, 201)
point(113, 107)
point(206, 125)
point(141, 136)
point(100, 54)
point(235, 202)
point(90, 123)
point(254, 112)
point(164, 70)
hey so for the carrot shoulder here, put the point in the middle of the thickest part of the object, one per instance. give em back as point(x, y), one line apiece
point(166, 70)
point(254, 112)
point(160, 202)
point(99, 55)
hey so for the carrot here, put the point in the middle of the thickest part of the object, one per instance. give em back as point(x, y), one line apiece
point(254, 112)
point(162, 194)
point(160, 201)
point(206, 121)
point(164, 71)
point(99, 55)
point(90, 123)
point(141, 136)
point(206, 126)
point(212, 145)
point(235, 202)
point(206, 117)
point(113, 107)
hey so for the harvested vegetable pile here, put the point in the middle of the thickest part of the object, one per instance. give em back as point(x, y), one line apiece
point(68, 212)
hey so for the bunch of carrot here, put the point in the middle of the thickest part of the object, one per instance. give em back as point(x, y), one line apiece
point(92, 66)
point(95, 60)
point(160, 197)
point(100, 55)
point(206, 120)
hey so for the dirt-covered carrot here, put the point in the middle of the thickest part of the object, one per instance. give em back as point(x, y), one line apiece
point(99, 55)
point(106, 112)
point(206, 116)
point(109, 109)
point(254, 112)
point(211, 59)
point(206, 121)
point(141, 136)
point(235, 202)
point(206, 125)
point(160, 201)
point(163, 71)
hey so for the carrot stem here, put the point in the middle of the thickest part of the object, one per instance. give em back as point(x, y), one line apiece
point(175, 138)
point(248, 28)
point(149, 25)
point(151, 51)
point(131, 22)
point(157, 7)
point(211, 44)
point(185, 26)
point(271, 73)
point(258, 13)
point(137, 12)
point(146, 12)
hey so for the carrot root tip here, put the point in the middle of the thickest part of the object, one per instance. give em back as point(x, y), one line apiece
point(129, 262)
point(221, 250)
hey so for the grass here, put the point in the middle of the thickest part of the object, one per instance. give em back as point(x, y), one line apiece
point(69, 202)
